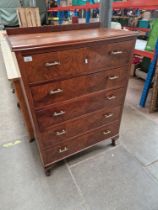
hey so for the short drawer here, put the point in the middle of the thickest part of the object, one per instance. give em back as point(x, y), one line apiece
point(68, 148)
point(120, 53)
point(67, 89)
point(68, 110)
point(108, 55)
point(75, 127)
point(53, 65)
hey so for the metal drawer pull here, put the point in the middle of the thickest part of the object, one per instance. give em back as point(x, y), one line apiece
point(116, 52)
point(63, 150)
point(113, 77)
point(86, 60)
point(55, 63)
point(111, 97)
point(60, 133)
point(107, 132)
point(56, 114)
point(52, 92)
point(108, 115)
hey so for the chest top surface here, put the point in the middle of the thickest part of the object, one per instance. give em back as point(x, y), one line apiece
point(22, 42)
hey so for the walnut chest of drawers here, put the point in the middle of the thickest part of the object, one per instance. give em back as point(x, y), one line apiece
point(74, 83)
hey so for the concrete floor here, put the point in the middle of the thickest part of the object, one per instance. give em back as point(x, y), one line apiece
point(101, 178)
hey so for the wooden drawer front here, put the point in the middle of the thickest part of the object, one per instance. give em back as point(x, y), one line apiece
point(120, 53)
point(98, 116)
point(70, 63)
point(107, 56)
point(69, 110)
point(78, 126)
point(67, 148)
point(54, 65)
point(67, 89)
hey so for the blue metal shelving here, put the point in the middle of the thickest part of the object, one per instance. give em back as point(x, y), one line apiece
point(149, 78)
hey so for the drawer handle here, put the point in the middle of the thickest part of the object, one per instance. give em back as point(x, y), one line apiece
point(106, 132)
point(55, 63)
point(113, 77)
point(63, 150)
point(60, 133)
point(116, 52)
point(108, 115)
point(111, 97)
point(53, 92)
point(56, 114)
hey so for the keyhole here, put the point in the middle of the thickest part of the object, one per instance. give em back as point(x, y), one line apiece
point(86, 60)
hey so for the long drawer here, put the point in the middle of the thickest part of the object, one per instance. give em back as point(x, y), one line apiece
point(54, 92)
point(75, 127)
point(68, 110)
point(67, 148)
point(69, 63)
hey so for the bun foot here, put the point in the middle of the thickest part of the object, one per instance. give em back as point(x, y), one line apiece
point(47, 171)
point(113, 140)
point(32, 139)
point(18, 105)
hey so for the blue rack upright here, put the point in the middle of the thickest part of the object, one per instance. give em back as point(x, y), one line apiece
point(149, 78)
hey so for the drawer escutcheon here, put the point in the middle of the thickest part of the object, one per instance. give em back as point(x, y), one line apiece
point(86, 60)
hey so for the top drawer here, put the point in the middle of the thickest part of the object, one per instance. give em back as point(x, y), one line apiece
point(107, 56)
point(53, 65)
point(69, 63)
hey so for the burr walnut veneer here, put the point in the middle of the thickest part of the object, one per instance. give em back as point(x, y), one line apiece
point(74, 82)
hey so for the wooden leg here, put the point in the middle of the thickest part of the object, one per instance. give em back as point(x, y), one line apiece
point(32, 140)
point(23, 108)
point(48, 171)
point(18, 105)
point(113, 140)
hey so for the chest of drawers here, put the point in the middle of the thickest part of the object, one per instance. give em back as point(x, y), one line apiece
point(74, 84)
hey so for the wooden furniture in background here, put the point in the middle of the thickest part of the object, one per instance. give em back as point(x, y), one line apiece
point(74, 84)
point(28, 17)
point(23, 107)
point(13, 76)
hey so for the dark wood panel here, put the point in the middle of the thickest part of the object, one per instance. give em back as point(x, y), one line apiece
point(54, 92)
point(44, 29)
point(69, 129)
point(67, 148)
point(68, 110)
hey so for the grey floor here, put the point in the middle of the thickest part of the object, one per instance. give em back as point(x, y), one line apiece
point(102, 178)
